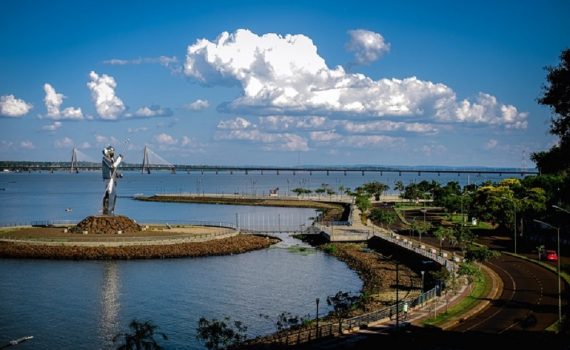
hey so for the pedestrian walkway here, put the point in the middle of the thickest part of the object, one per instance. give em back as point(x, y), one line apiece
point(419, 314)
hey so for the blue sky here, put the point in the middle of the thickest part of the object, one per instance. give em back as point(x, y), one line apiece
point(279, 83)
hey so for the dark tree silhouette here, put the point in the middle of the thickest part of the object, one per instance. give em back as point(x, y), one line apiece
point(141, 337)
point(286, 320)
point(342, 303)
point(556, 95)
point(220, 334)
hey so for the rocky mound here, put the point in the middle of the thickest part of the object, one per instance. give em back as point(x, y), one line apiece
point(107, 225)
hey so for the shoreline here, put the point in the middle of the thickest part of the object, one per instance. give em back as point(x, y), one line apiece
point(378, 273)
point(330, 210)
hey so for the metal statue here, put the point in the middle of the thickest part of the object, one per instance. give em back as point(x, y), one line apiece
point(110, 175)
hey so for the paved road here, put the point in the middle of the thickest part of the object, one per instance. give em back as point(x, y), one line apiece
point(529, 300)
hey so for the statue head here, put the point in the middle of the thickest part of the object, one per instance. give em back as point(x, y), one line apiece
point(109, 151)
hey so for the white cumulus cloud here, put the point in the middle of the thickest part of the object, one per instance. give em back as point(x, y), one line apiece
point(165, 139)
point(107, 104)
point(234, 124)
point(85, 145)
point(11, 106)
point(243, 130)
point(153, 111)
point(101, 140)
point(52, 127)
point(162, 60)
point(387, 126)
point(354, 141)
point(270, 141)
point(491, 144)
point(53, 101)
point(284, 75)
point(198, 105)
point(432, 149)
point(367, 46)
point(65, 142)
point(27, 144)
point(136, 130)
point(484, 110)
point(170, 62)
point(283, 122)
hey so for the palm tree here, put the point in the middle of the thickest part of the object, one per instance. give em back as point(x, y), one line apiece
point(142, 336)
point(399, 186)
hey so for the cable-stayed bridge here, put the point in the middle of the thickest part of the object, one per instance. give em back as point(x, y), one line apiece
point(151, 161)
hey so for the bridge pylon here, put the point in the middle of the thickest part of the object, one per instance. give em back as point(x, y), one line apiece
point(74, 168)
point(145, 162)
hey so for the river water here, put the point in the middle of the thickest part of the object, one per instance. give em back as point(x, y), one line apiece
point(83, 304)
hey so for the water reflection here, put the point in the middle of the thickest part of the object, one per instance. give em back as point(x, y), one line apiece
point(109, 322)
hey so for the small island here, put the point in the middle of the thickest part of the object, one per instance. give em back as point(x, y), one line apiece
point(150, 242)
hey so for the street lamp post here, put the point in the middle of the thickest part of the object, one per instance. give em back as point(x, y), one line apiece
point(515, 221)
point(423, 228)
point(317, 301)
point(557, 268)
point(423, 273)
point(397, 296)
point(463, 215)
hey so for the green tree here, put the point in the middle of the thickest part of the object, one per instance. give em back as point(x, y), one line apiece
point(494, 204)
point(470, 270)
point(399, 186)
point(299, 191)
point(320, 191)
point(375, 189)
point(442, 275)
point(443, 233)
point(462, 237)
point(384, 217)
point(479, 253)
point(451, 197)
point(141, 336)
point(342, 303)
point(330, 192)
point(556, 95)
point(421, 190)
point(498, 203)
point(363, 203)
point(421, 227)
point(220, 334)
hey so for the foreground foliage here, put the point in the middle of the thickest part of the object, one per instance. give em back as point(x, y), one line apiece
point(141, 336)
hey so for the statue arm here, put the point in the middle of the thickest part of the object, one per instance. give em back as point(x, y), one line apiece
point(118, 161)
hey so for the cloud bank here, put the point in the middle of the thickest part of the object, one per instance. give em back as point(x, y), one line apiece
point(284, 75)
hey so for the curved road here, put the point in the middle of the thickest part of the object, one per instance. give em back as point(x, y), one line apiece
point(529, 300)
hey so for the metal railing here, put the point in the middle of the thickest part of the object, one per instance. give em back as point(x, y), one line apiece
point(47, 223)
point(295, 337)
point(326, 329)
